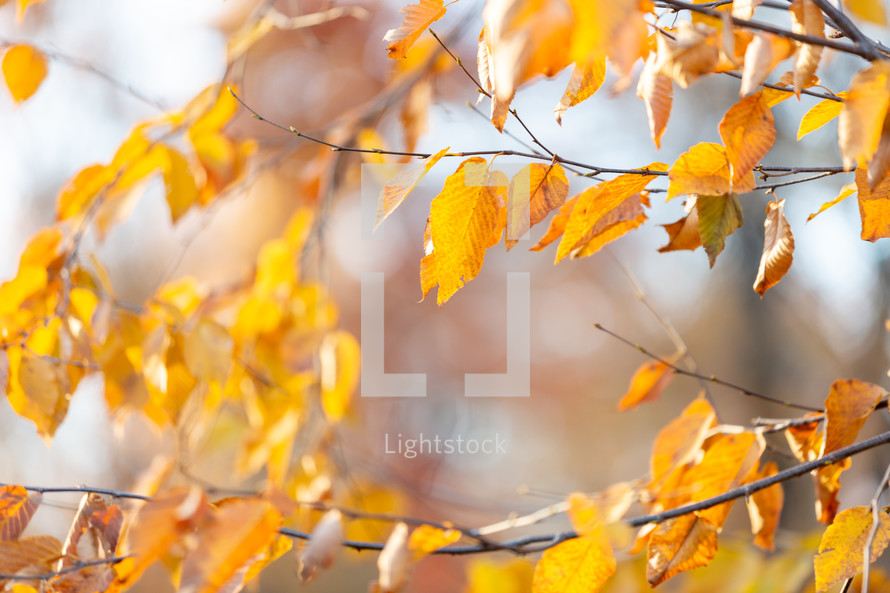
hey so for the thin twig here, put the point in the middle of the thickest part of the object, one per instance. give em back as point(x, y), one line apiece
point(789, 89)
point(56, 573)
point(712, 378)
point(849, 28)
point(875, 521)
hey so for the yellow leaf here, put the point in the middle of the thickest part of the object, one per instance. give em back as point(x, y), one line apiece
point(340, 362)
point(689, 53)
point(485, 576)
point(397, 189)
point(426, 539)
point(870, 10)
point(580, 565)
point(703, 169)
point(778, 248)
point(208, 352)
point(646, 384)
point(29, 281)
point(820, 114)
point(603, 206)
point(462, 219)
point(585, 81)
point(846, 191)
point(24, 68)
point(842, 549)
point(180, 183)
point(683, 234)
point(417, 18)
point(429, 279)
point(748, 133)
point(680, 441)
point(765, 507)
point(874, 206)
point(849, 404)
point(863, 113)
point(599, 25)
point(718, 217)
point(656, 90)
point(39, 390)
point(80, 191)
point(534, 192)
point(17, 507)
point(806, 19)
point(557, 225)
point(229, 540)
point(212, 120)
point(678, 545)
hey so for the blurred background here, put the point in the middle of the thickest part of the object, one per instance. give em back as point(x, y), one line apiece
point(115, 64)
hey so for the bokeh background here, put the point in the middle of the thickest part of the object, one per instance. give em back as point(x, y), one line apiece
point(114, 64)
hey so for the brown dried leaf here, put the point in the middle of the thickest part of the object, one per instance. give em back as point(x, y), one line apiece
point(778, 248)
point(17, 507)
point(678, 545)
point(806, 19)
point(691, 53)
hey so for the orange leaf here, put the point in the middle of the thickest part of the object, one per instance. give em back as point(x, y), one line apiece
point(805, 441)
point(846, 191)
point(703, 169)
point(426, 539)
point(417, 18)
point(870, 10)
point(683, 234)
point(677, 545)
point(80, 191)
point(778, 248)
point(585, 81)
point(534, 192)
point(863, 113)
point(40, 390)
point(820, 114)
point(842, 547)
point(16, 509)
point(680, 441)
point(557, 225)
point(462, 219)
point(229, 540)
point(718, 217)
point(806, 19)
point(24, 68)
point(605, 205)
point(397, 189)
point(748, 132)
point(849, 403)
point(646, 384)
point(656, 90)
point(765, 507)
point(28, 553)
point(580, 565)
point(601, 28)
point(874, 206)
point(690, 52)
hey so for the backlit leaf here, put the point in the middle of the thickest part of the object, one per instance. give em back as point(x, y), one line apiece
point(17, 507)
point(846, 191)
point(874, 206)
point(646, 384)
point(683, 234)
point(703, 169)
point(585, 81)
point(24, 68)
point(417, 18)
point(208, 351)
point(681, 440)
point(689, 53)
point(340, 361)
point(580, 565)
point(656, 90)
point(765, 507)
point(557, 225)
point(849, 404)
point(778, 248)
point(534, 192)
point(80, 191)
point(397, 189)
point(748, 132)
point(601, 28)
point(37, 552)
point(762, 55)
point(870, 10)
point(426, 539)
point(462, 219)
point(863, 113)
point(842, 549)
point(806, 19)
point(678, 545)
point(820, 114)
point(40, 391)
point(486, 576)
point(180, 183)
point(718, 217)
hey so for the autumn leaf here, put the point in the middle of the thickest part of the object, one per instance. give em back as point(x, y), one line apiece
point(598, 27)
point(762, 55)
point(39, 390)
point(585, 81)
point(703, 169)
point(842, 548)
point(417, 18)
point(35, 553)
point(534, 192)
point(646, 384)
point(340, 361)
point(397, 188)
point(846, 191)
point(229, 539)
point(557, 225)
point(182, 192)
point(678, 545)
point(820, 114)
point(748, 132)
point(611, 205)
point(765, 507)
point(208, 352)
point(683, 234)
point(17, 507)
point(462, 219)
point(863, 113)
point(690, 52)
point(580, 565)
point(718, 217)
point(679, 441)
point(485, 576)
point(656, 90)
point(24, 68)
point(849, 404)
point(426, 539)
point(874, 206)
point(870, 10)
point(778, 248)
point(806, 19)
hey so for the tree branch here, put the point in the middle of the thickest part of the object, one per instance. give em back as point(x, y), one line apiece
point(849, 28)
